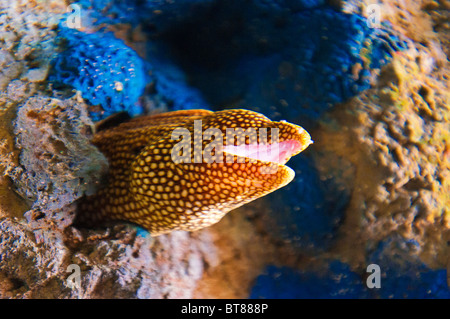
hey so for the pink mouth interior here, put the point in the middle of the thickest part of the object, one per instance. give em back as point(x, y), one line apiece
point(275, 153)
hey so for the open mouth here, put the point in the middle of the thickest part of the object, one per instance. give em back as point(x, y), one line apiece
point(279, 152)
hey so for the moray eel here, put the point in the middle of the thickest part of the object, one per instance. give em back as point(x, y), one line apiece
point(155, 183)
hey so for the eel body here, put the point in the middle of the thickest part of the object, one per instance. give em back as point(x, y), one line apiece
point(174, 171)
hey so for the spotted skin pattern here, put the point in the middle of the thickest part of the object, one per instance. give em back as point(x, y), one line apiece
point(147, 186)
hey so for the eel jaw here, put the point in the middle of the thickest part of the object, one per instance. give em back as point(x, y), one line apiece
point(271, 158)
point(277, 152)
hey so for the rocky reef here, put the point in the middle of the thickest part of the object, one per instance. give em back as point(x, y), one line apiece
point(372, 90)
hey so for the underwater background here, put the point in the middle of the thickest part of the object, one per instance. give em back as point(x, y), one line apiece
point(369, 80)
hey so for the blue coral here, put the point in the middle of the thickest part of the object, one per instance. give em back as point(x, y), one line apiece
point(172, 88)
point(292, 5)
point(313, 56)
point(329, 56)
point(420, 283)
point(112, 11)
point(159, 13)
point(106, 71)
point(309, 210)
point(404, 275)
